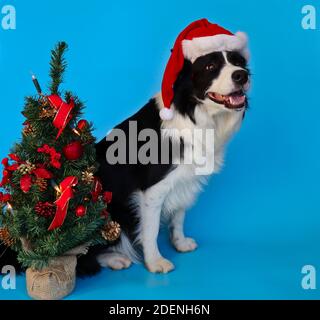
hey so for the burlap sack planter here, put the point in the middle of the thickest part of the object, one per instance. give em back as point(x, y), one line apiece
point(53, 282)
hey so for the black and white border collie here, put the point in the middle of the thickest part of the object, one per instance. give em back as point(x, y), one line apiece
point(209, 93)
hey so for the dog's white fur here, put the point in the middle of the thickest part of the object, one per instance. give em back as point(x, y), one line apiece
point(170, 197)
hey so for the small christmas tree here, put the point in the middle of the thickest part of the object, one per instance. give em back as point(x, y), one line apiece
point(51, 201)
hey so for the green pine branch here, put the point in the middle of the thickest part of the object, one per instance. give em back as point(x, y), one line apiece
point(58, 66)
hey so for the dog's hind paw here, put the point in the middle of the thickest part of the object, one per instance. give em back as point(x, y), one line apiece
point(161, 265)
point(185, 244)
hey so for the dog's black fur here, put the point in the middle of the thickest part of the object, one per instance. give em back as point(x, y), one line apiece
point(9, 257)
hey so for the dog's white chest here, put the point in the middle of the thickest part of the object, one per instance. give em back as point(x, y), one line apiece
point(184, 188)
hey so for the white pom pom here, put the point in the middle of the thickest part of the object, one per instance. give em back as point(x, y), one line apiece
point(243, 37)
point(166, 114)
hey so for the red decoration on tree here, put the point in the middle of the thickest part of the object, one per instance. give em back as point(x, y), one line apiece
point(26, 180)
point(25, 183)
point(8, 169)
point(97, 189)
point(54, 155)
point(81, 210)
point(63, 202)
point(104, 213)
point(82, 124)
point(73, 151)
point(63, 115)
point(4, 197)
point(45, 209)
point(107, 197)
point(40, 173)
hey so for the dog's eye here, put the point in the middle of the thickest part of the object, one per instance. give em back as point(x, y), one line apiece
point(211, 67)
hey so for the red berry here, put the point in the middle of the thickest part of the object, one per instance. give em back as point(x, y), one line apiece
point(82, 124)
point(81, 210)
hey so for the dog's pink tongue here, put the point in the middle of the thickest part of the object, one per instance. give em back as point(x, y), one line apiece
point(237, 100)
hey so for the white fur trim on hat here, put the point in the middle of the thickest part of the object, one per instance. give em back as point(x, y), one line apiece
point(197, 47)
point(166, 114)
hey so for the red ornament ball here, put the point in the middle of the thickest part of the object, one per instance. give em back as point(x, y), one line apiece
point(81, 210)
point(73, 151)
point(82, 124)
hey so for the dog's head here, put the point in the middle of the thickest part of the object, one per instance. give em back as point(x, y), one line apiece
point(219, 80)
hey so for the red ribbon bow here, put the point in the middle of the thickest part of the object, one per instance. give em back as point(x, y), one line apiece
point(63, 115)
point(63, 202)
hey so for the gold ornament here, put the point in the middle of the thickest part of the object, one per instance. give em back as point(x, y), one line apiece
point(47, 113)
point(42, 184)
point(28, 130)
point(111, 231)
point(26, 168)
point(6, 238)
point(87, 176)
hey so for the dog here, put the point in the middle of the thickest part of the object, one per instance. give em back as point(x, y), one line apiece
point(204, 89)
point(209, 92)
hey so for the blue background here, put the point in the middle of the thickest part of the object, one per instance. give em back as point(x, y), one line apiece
point(257, 223)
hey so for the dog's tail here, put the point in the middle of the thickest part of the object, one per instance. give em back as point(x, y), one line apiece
point(88, 265)
point(9, 257)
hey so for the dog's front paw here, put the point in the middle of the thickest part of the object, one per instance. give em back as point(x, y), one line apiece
point(161, 265)
point(184, 244)
point(114, 260)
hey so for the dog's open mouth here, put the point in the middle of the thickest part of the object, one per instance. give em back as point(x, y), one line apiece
point(234, 100)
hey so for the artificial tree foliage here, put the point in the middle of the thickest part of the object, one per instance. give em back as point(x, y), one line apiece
point(18, 214)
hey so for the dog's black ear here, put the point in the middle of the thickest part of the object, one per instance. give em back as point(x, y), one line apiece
point(185, 75)
point(184, 92)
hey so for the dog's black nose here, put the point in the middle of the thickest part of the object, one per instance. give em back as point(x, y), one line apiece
point(240, 77)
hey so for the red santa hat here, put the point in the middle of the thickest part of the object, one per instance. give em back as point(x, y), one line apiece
point(197, 39)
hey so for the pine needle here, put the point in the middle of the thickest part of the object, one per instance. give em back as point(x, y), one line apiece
point(58, 66)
